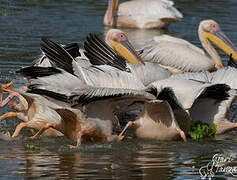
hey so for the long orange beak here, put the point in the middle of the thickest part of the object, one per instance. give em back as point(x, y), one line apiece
point(126, 50)
point(223, 42)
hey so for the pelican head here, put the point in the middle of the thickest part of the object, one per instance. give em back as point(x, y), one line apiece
point(119, 42)
point(111, 12)
point(211, 31)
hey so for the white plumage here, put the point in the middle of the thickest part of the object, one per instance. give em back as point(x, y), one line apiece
point(179, 55)
point(144, 14)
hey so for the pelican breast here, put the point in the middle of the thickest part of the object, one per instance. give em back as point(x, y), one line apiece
point(147, 13)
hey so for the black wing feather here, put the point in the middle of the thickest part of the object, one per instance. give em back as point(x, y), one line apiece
point(165, 94)
point(73, 49)
point(217, 91)
point(57, 54)
point(36, 71)
point(99, 53)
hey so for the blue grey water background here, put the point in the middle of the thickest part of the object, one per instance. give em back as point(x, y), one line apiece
point(24, 22)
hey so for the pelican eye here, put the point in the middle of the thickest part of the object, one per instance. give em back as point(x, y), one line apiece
point(122, 37)
point(214, 27)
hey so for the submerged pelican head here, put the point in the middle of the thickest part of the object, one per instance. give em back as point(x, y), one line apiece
point(119, 42)
point(211, 31)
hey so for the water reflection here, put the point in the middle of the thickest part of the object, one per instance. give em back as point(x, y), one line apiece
point(129, 159)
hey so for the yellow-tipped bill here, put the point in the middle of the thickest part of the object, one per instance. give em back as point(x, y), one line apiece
point(221, 41)
point(125, 49)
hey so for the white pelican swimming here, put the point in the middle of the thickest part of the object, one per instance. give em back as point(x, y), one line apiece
point(144, 14)
point(179, 55)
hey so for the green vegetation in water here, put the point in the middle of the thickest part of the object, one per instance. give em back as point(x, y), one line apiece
point(3, 14)
point(29, 147)
point(200, 130)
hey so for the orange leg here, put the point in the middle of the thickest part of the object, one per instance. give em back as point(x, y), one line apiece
point(7, 115)
point(9, 85)
point(234, 125)
point(0, 96)
point(128, 125)
point(9, 97)
point(44, 128)
point(18, 128)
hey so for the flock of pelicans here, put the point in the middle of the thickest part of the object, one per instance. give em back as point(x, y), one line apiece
point(82, 93)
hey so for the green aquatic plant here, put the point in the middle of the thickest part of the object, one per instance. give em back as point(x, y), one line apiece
point(3, 14)
point(30, 147)
point(200, 130)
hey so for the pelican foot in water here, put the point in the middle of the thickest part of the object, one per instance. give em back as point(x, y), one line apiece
point(44, 128)
point(72, 147)
point(120, 138)
point(18, 129)
point(182, 135)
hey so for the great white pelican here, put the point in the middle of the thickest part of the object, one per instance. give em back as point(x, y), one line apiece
point(143, 14)
point(179, 55)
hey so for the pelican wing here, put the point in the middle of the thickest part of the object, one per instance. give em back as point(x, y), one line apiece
point(34, 72)
point(85, 96)
point(89, 94)
point(202, 77)
point(73, 49)
point(99, 53)
point(215, 91)
point(165, 93)
point(107, 76)
point(226, 75)
point(187, 91)
point(63, 60)
point(167, 38)
point(42, 61)
point(97, 103)
point(58, 55)
point(160, 112)
point(50, 77)
point(181, 56)
point(150, 72)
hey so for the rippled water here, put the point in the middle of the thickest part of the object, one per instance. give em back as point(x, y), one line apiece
point(24, 22)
